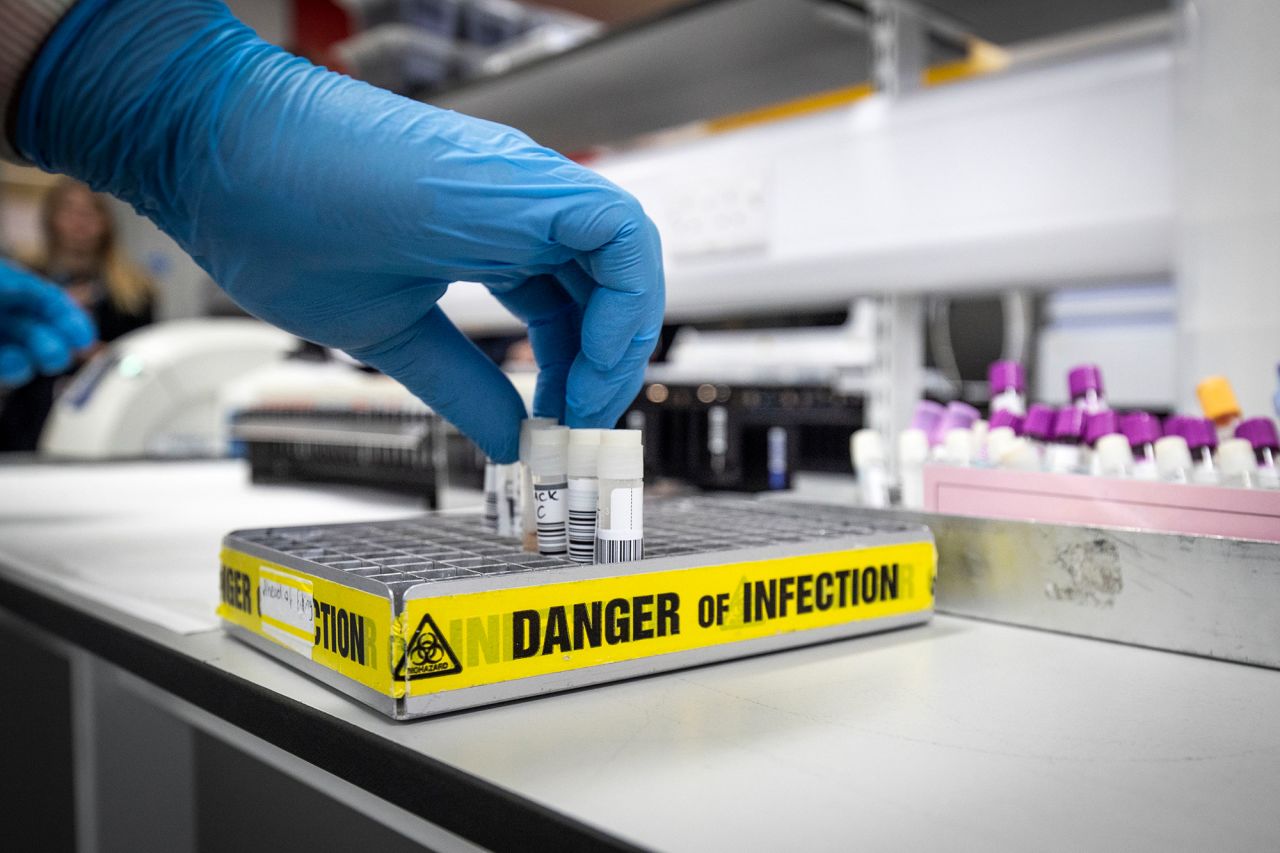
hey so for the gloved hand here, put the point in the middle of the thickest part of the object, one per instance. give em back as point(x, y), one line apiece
point(40, 327)
point(341, 212)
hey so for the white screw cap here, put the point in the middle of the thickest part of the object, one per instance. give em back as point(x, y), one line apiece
point(621, 455)
point(584, 452)
point(549, 451)
point(866, 448)
point(913, 447)
point(1115, 457)
point(957, 446)
point(1173, 457)
point(1235, 457)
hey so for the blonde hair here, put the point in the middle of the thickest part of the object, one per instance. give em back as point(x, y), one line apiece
point(129, 288)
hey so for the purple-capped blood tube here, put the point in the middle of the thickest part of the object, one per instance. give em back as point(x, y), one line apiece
point(957, 416)
point(1096, 425)
point(1006, 383)
point(1006, 418)
point(1037, 427)
point(1084, 382)
point(926, 417)
point(1143, 430)
point(1174, 424)
point(1063, 454)
point(1261, 433)
point(1202, 440)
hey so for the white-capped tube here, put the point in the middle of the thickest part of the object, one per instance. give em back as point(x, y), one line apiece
point(1236, 463)
point(999, 440)
point(584, 491)
point(1020, 454)
point(1113, 457)
point(620, 506)
point(490, 495)
point(506, 485)
point(1173, 459)
point(548, 468)
point(866, 449)
point(525, 514)
point(913, 450)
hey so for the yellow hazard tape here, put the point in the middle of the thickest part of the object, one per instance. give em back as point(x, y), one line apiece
point(455, 641)
point(347, 630)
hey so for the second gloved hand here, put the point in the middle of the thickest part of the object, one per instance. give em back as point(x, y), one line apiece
point(41, 328)
point(341, 212)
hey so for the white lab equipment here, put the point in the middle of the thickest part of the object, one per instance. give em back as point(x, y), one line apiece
point(155, 391)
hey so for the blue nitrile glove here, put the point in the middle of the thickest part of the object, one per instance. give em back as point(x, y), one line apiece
point(40, 327)
point(341, 212)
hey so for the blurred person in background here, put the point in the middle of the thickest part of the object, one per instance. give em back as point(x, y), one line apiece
point(80, 254)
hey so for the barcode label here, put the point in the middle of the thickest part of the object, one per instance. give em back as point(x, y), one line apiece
point(582, 519)
point(619, 550)
point(549, 517)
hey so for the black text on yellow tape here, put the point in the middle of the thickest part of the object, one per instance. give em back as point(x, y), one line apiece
point(505, 634)
point(346, 630)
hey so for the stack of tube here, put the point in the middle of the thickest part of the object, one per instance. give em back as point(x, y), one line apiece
point(576, 493)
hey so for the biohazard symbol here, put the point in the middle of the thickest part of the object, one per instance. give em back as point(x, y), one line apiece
point(427, 654)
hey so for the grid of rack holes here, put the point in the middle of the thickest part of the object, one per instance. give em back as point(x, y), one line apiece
point(445, 546)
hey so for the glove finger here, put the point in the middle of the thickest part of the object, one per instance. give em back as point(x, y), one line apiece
point(22, 292)
point(630, 296)
point(45, 347)
point(15, 368)
point(554, 321)
point(437, 363)
point(596, 398)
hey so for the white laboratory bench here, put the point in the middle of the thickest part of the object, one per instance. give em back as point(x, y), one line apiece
point(959, 735)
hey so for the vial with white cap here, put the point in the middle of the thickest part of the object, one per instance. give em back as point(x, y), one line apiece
point(867, 449)
point(999, 440)
point(1112, 456)
point(524, 485)
point(548, 469)
point(490, 495)
point(620, 506)
point(506, 486)
point(1020, 454)
point(1173, 459)
point(1236, 465)
point(913, 450)
point(584, 491)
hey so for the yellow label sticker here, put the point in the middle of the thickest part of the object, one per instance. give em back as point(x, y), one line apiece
point(454, 641)
point(347, 630)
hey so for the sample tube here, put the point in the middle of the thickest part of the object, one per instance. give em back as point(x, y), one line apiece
point(1173, 459)
point(999, 440)
point(1063, 454)
point(1142, 430)
point(913, 451)
point(867, 450)
point(524, 486)
point(1084, 382)
point(490, 495)
point(1236, 464)
point(1261, 433)
point(584, 491)
point(1020, 455)
point(776, 457)
point(1218, 400)
point(1113, 456)
point(958, 415)
point(1096, 425)
point(958, 447)
point(620, 507)
point(979, 432)
point(506, 485)
point(1037, 427)
point(1202, 440)
point(926, 417)
point(1006, 383)
point(1006, 418)
point(548, 469)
